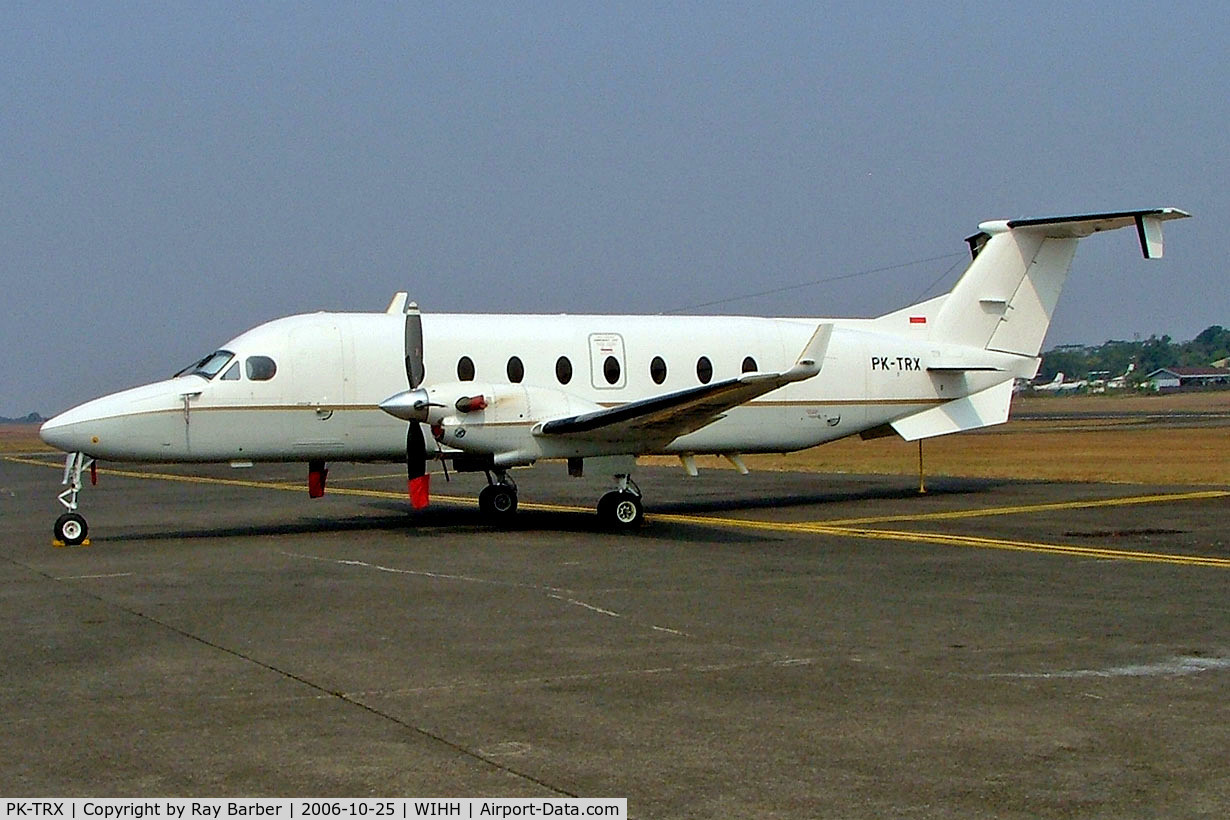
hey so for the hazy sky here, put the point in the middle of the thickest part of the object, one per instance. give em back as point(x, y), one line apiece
point(174, 174)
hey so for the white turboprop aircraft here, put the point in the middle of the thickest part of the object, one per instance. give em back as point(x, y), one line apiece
point(1052, 386)
point(492, 393)
point(1058, 385)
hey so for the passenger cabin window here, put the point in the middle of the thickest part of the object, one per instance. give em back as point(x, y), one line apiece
point(465, 369)
point(516, 370)
point(563, 370)
point(232, 373)
point(749, 365)
point(704, 369)
point(657, 370)
point(260, 368)
point(610, 370)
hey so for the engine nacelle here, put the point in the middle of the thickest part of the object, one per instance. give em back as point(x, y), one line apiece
point(498, 419)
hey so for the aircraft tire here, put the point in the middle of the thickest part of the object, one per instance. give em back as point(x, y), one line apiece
point(71, 529)
point(497, 501)
point(621, 510)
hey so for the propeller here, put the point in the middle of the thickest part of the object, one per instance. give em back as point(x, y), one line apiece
point(418, 481)
point(414, 405)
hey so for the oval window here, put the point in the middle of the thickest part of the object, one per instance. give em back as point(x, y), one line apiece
point(704, 369)
point(749, 365)
point(260, 368)
point(516, 370)
point(465, 369)
point(563, 370)
point(657, 370)
point(610, 369)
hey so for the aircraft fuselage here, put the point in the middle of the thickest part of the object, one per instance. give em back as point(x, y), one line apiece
point(332, 370)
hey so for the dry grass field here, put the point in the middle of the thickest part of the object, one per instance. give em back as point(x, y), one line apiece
point(1107, 438)
point(21, 438)
point(1035, 450)
point(1209, 401)
point(1100, 438)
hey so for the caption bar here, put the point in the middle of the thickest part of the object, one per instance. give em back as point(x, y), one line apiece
point(124, 808)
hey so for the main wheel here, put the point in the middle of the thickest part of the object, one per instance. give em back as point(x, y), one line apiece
point(71, 529)
point(497, 500)
point(621, 510)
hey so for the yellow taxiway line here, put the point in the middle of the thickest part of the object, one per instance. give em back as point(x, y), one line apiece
point(843, 527)
point(1029, 508)
point(285, 485)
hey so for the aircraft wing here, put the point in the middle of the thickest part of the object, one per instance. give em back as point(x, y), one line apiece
point(660, 419)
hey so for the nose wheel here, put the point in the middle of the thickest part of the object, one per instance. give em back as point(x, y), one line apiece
point(71, 529)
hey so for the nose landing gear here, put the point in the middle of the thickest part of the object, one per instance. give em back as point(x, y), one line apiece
point(70, 528)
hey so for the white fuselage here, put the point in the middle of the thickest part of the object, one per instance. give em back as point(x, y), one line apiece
point(334, 369)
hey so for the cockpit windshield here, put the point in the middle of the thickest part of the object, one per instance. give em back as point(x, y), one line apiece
point(209, 366)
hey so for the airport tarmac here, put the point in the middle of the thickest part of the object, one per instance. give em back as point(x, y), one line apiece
point(773, 645)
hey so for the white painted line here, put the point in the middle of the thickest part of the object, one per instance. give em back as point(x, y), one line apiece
point(590, 607)
point(671, 631)
point(84, 577)
point(1172, 667)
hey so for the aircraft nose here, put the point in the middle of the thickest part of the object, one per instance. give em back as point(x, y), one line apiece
point(63, 432)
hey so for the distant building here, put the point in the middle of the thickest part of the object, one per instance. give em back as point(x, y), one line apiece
point(1171, 377)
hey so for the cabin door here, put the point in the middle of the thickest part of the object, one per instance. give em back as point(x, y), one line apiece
point(606, 361)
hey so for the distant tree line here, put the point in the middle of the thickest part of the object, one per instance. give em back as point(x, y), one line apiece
point(1078, 361)
point(30, 418)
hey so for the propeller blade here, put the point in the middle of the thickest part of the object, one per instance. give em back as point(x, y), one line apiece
point(414, 345)
point(416, 467)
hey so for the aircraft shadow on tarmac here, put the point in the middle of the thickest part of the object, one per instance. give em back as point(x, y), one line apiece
point(450, 521)
point(946, 486)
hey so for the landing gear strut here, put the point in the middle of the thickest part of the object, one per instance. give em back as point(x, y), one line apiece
point(499, 498)
point(621, 508)
point(70, 528)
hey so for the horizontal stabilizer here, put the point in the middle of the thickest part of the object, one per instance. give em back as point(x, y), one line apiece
point(982, 409)
point(1148, 225)
point(1005, 299)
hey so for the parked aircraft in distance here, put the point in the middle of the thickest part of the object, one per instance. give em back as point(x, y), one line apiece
point(1058, 385)
point(488, 393)
point(1121, 382)
point(1052, 386)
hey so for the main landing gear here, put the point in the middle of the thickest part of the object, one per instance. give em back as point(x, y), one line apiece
point(70, 528)
point(499, 498)
point(621, 509)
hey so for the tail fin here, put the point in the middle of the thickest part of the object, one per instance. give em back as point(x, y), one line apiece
point(1005, 299)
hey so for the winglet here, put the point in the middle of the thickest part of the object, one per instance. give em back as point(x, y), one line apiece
point(812, 358)
point(398, 303)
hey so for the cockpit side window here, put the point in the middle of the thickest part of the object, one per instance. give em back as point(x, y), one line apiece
point(232, 373)
point(209, 366)
point(260, 368)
